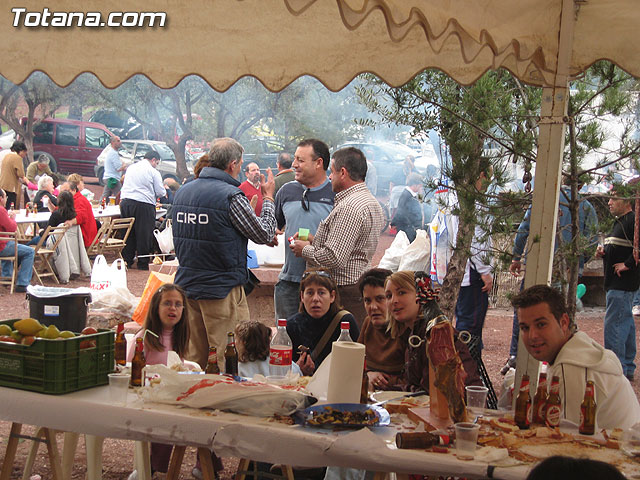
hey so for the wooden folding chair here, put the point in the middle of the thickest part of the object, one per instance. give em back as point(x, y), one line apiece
point(116, 239)
point(13, 258)
point(44, 250)
point(95, 247)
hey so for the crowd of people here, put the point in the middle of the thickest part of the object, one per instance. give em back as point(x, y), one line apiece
point(332, 223)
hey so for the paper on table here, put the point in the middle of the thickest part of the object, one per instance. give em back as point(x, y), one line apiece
point(345, 372)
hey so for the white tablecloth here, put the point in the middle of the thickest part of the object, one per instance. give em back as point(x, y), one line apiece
point(89, 411)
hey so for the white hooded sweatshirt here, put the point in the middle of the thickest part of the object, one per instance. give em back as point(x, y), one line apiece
point(582, 359)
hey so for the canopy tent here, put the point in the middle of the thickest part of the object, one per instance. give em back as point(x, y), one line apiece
point(542, 42)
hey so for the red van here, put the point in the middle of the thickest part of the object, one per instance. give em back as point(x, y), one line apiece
point(72, 146)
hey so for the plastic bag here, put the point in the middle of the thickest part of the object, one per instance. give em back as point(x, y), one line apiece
point(117, 300)
point(416, 256)
point(100, 274)
point(222, 392)
point(155, 281)
point(393, 254)
point(165, 238)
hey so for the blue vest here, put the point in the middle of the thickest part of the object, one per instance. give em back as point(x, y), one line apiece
point(211, 252)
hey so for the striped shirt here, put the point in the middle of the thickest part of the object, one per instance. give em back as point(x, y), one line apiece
point(260, 229)
point(346, 240)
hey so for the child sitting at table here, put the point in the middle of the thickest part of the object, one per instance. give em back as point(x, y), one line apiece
point(167, 319)
point(252, 341)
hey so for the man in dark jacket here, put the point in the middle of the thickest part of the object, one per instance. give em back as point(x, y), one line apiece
point(212, 220)
point(621, 280)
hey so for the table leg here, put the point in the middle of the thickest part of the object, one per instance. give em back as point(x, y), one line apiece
point(69, 452)
point(10, 453)
point(243, 466)
point(93, 445)
point(176, 462)
point(31, 456)
point(206, 464)
point(142, 460)
point(54, 456)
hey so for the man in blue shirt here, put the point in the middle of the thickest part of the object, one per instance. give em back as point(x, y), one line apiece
point(303, 203)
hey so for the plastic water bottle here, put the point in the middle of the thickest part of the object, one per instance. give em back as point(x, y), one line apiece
point(280, 351)
point(344, 332)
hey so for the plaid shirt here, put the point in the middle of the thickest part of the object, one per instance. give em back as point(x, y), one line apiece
point(260, 229)
point(346, 240)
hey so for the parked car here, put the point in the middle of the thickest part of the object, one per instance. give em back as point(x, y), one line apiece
point(118, 124)
point(134, 150)
point(388, 159)
point(72, 146)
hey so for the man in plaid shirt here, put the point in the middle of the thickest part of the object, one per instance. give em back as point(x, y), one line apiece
point(346, 240)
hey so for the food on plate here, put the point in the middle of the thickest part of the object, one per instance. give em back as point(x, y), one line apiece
point(504, 424)
point(450, 374)
point(332, 416)
point(28, 326)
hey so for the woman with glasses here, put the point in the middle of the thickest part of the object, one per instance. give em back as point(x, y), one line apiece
point(320, 312)
point(412, 304)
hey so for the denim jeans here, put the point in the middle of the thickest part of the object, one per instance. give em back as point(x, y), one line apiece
point(286, 298)
point(25, 262)
point(636, 298)
point(620, 329)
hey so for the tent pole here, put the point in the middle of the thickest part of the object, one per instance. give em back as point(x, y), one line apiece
point(546, 192)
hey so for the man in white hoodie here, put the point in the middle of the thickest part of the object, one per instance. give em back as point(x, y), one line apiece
point(574, 358)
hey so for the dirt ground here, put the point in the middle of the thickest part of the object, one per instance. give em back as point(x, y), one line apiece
point(118, 454)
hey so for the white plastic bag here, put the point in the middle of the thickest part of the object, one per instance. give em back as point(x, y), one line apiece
point(393, 254)
point(165, 238)
point(118, 272)
point(416, 256)
point(100, 274)
point(221, 392)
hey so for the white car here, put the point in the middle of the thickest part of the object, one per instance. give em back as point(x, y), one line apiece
point(134, 150)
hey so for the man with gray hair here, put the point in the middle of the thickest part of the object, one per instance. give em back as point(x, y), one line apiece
point(212, 221)
point(285, 172)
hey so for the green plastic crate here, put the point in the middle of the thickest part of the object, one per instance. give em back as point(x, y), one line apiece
point(57, 366)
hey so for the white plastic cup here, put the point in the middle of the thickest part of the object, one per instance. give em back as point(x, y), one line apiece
point(476, 398)
point(119, 388)
point(466, 440)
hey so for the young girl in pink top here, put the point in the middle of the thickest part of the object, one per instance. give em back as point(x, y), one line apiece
point(167, 318)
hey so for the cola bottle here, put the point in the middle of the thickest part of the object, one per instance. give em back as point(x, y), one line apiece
point(344, 332)
point(231, 356)
point(280, 351)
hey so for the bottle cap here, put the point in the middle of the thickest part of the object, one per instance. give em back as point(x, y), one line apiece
point(344, 325)
point(282, 322)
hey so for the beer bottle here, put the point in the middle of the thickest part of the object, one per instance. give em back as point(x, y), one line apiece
point(137, 364)
point(523, 405)
point(540, 400)
point(120, 346)
point(554, 404)
point(588, 411)
point(212, 361)
point(231, 356)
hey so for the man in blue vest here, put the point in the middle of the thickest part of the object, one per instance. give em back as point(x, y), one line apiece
point(212, 220)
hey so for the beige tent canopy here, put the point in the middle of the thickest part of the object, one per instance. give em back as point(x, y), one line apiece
point(333, 40)
point(543, 42)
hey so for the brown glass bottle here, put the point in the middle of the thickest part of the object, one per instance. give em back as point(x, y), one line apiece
point(554, 404)
point(137, 364)
point(540, 400)
point(231, 356)
point(523, 405)
point(588, 411)
point(120, 346)
point(212, 361)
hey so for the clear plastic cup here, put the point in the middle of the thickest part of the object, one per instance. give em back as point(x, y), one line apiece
point(119, 387)
point(466, 440)
point(112, 200)
point(476, 398)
